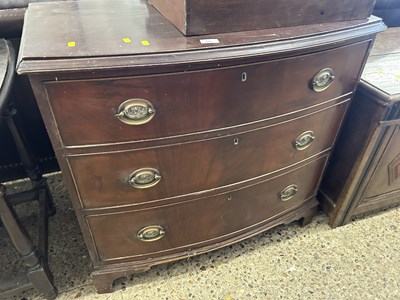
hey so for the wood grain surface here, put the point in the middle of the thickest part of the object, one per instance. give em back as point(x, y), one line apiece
point(102, 179)
point(194, 17)
point(194, 223)
point(363, 174)
point(93, 33)
point(84, 58)
point(382, 70)
point(199, 101)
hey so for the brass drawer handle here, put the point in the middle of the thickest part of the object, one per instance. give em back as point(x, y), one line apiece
point(144, 178)
point(288, 192)
point(322, 80)
point(151, 233)
point(135, 112)
point(304, 140)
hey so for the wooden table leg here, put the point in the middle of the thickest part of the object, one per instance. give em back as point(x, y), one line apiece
point(38, 272)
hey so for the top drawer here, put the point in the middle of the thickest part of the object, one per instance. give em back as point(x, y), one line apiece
point(188, 102)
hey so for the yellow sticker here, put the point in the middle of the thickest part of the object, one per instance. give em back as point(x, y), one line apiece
point(127, 40)
point(145, 43)
point(71, 44)
point(379, 72)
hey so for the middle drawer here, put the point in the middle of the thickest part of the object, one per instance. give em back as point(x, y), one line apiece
point(143, 175)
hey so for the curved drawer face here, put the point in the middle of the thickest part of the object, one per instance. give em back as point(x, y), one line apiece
point(198, 101)
point(102, 179)
point(192, 224)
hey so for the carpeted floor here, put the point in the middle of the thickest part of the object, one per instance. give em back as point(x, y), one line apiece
point(357, 261)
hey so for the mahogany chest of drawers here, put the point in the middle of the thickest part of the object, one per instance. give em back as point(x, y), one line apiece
point(364, 173)
point(173, 146)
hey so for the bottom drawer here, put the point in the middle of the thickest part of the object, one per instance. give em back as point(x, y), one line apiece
point(188, 225)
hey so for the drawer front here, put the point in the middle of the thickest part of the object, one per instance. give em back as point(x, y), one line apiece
point(198, 222)
point(102, 179)
point(197, 101)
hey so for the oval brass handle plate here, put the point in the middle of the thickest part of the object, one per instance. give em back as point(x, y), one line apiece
point(288, 192)
point(144, 178)
point(304, 140)
point(135, 112)
point(151, 233)
point(322, 80)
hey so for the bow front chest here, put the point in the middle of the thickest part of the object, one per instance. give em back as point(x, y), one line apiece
point(172, 146)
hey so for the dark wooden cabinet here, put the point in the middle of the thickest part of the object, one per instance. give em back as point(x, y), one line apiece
point(194, 17)
point(364, 173)
point(171, 147)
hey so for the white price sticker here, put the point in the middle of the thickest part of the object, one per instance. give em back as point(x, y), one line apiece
point(209, 41)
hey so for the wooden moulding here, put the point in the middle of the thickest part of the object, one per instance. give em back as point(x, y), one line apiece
point(195, 17)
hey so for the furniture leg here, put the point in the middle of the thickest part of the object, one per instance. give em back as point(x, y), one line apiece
point(309, 215)
point(104, 282)
point(28, 160)
point(38, 272)
point(103, 279)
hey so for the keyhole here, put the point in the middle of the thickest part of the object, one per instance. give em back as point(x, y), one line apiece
point(244, 76)
point(236, 141)
point(229, 197)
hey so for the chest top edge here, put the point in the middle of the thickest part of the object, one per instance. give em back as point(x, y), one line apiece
point(71, 39)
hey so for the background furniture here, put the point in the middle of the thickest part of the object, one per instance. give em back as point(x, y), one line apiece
point(389, 11)
point(12, 16)
point(364, 172)
point(38, 274)
point(173, 146)
point(11, 21)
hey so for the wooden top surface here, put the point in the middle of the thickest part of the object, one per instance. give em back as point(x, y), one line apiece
point(383, 66)
point(91, 29)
